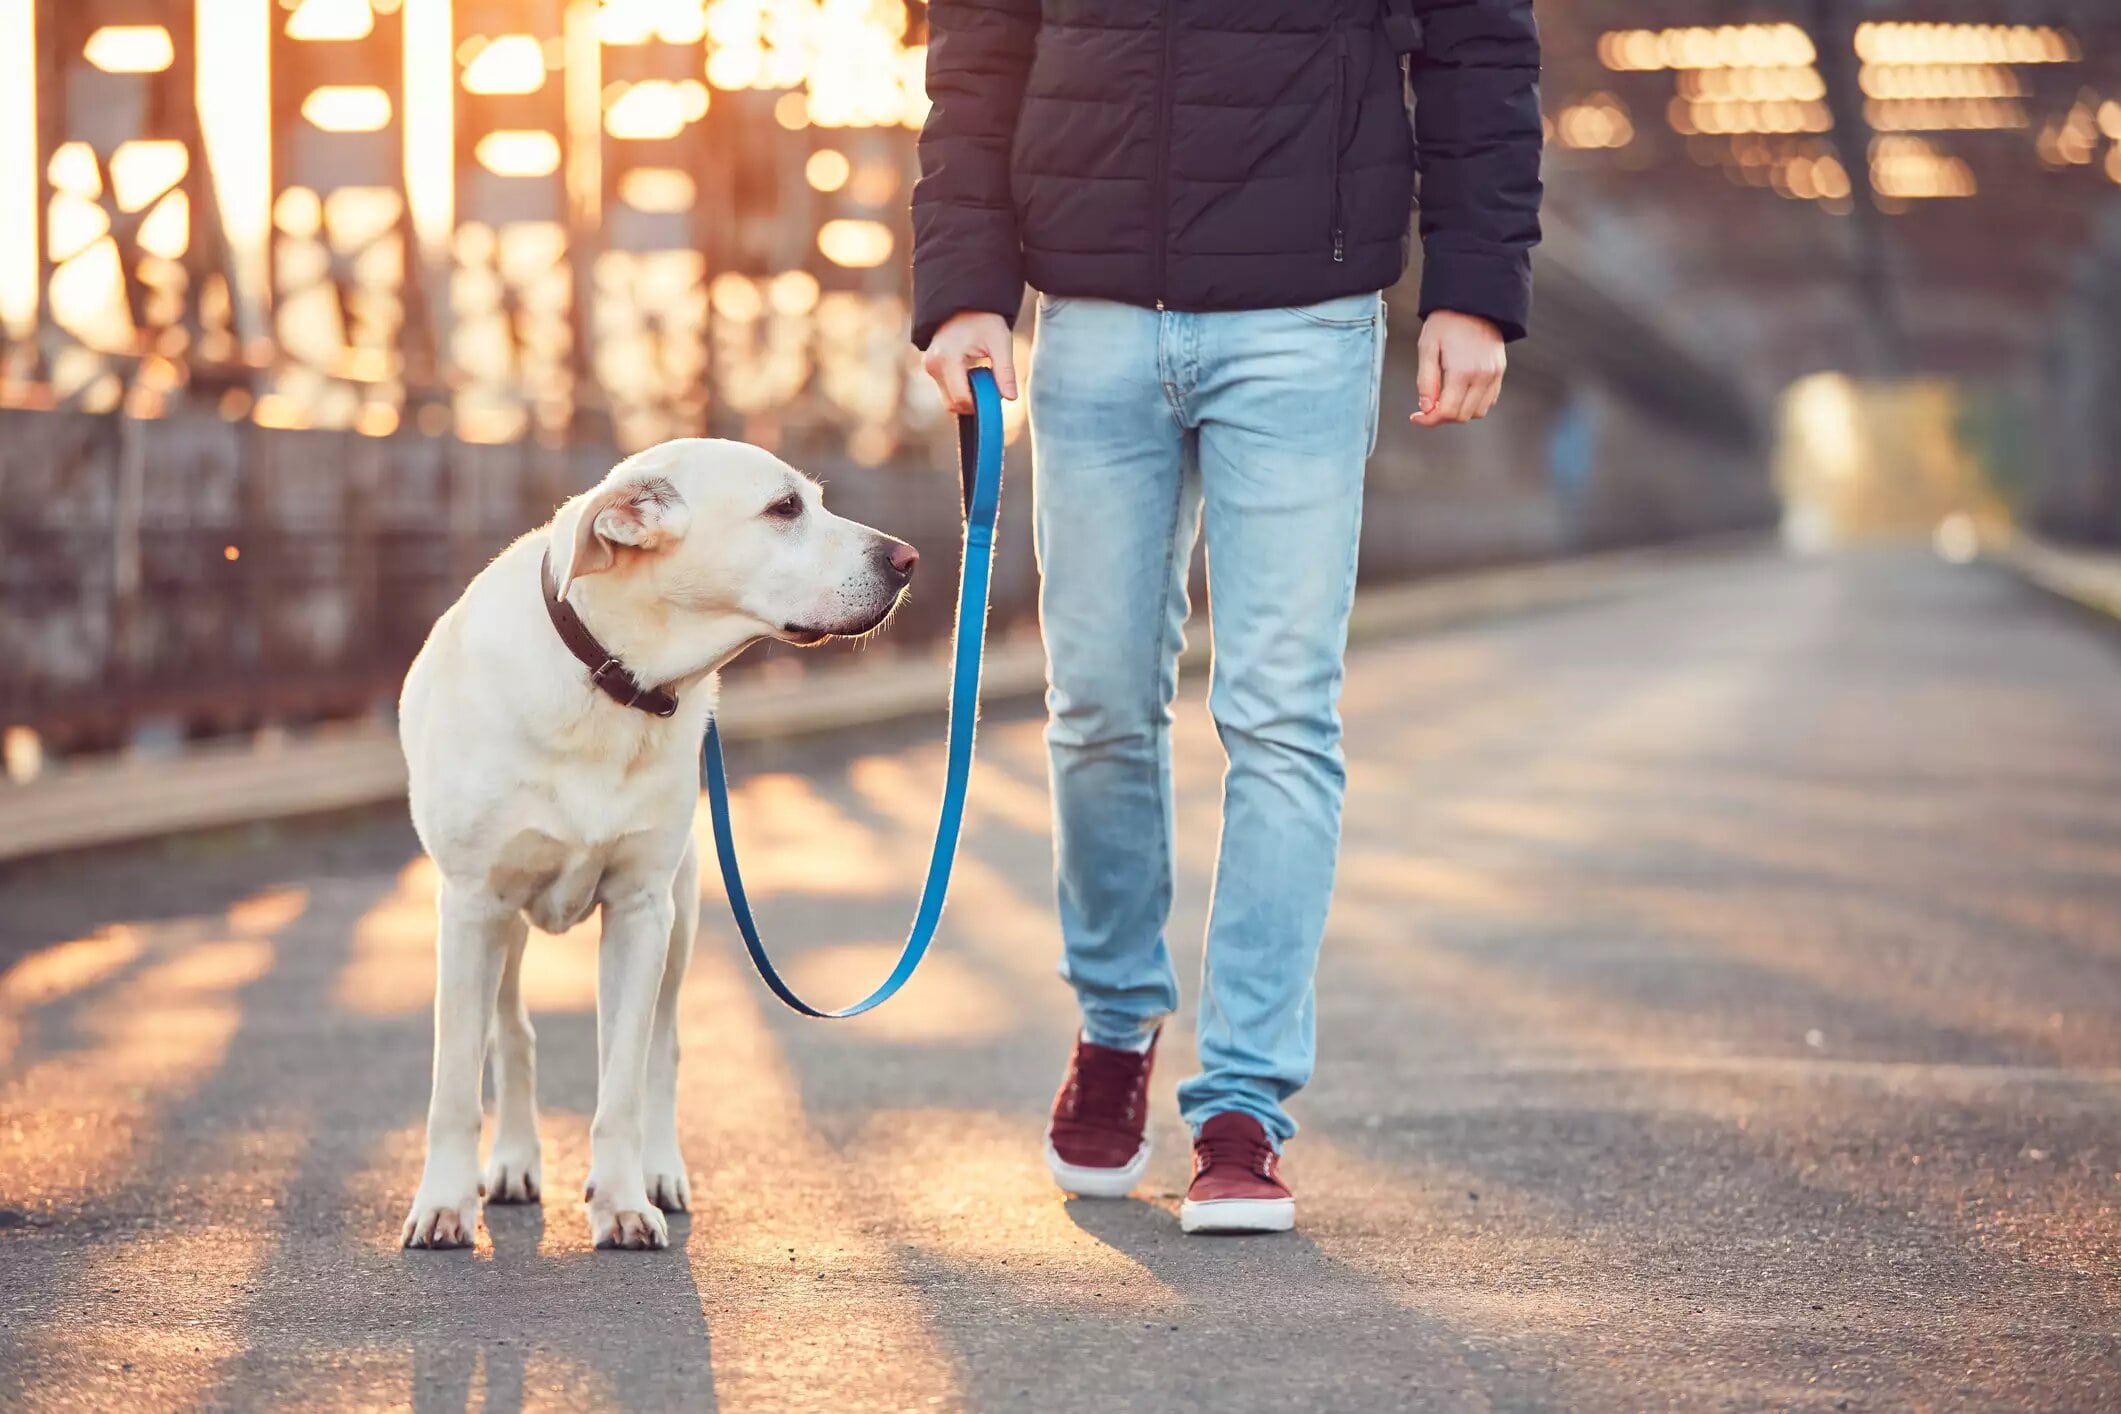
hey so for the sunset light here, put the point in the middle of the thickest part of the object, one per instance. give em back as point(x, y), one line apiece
point(513, 63)
point(130, 49)
point(519, 154)
point(858, 244)
point(654, 110)
point(331, 20)
point(348, 108)
point(584, 138)
point(1510, 798)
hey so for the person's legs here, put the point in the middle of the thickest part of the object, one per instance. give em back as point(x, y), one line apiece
point(1117, 510)
point(1287, 408)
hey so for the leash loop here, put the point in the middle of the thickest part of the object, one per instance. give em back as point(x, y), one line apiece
point(979, 441)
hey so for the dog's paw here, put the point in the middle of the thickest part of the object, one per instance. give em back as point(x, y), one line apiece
point(669, 1188)
point(513, 1175)
point(632, 1227)
point(441, 1222)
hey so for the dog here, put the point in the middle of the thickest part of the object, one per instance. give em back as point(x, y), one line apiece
point(542, 793)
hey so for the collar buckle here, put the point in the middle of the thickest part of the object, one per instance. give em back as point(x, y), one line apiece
point(616, 681)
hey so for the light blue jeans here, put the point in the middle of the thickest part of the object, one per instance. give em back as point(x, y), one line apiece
point(1146, 425)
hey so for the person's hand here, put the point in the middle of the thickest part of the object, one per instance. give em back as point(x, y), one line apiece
point(1462, 363)
point(967, 339)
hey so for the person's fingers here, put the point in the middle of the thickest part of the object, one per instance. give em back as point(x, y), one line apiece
point(1428, 381)
point(1005, 368)
point(1480, 397)
point(956, 383)
point(1457, 400)
point(1494, 396)
point(933, 363)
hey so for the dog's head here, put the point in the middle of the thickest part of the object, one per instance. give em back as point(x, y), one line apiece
point(725, 528)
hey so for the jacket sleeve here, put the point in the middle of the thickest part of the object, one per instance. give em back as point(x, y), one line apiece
point(1476, 116)
point(966, 250)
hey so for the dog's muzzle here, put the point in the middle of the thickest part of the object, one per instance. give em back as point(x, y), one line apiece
point(893, 562)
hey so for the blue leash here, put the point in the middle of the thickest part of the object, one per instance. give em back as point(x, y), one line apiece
point(979, 444)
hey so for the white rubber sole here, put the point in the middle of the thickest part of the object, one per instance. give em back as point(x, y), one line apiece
point(1237, 1215)
point(1097, 1183)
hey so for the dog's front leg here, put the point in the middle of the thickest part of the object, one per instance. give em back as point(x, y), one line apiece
point(475, 934)
point(669, 1185)
point(514, 1169)
point(630, 964)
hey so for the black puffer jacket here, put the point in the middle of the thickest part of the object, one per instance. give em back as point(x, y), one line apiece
point(1224, 154)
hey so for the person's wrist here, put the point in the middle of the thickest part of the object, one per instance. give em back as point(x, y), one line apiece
point(1479, 320)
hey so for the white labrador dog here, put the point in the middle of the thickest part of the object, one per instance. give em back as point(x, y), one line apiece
point(542, 796)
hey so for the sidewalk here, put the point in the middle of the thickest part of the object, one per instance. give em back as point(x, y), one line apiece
point(2091, 578)
point(100, 803)
point(1720, 1010)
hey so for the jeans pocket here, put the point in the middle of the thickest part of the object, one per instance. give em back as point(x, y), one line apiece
point(1050, 305)
point(1347, 312)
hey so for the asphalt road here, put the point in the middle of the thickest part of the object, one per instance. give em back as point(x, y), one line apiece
point(1722, 1010)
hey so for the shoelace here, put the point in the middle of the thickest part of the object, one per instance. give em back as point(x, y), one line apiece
point(1254, 1156)
point(1105, 1087)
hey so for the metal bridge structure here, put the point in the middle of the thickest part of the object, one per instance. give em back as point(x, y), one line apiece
point(308, 305)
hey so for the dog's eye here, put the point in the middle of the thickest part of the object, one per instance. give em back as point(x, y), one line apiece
point(787, 508)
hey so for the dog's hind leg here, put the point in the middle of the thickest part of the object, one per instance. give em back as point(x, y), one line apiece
point(470, 945)
point(669, 1186)
point(515, 1171)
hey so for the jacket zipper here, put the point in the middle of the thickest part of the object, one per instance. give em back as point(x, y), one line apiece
point(1163, 153)
point(1340, 101)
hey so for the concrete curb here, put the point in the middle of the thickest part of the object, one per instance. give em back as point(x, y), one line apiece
point(107, 803)
point(2091, 579)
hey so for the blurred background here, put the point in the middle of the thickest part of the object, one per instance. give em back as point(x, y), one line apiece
point(1722, 1001)
point(308, 306)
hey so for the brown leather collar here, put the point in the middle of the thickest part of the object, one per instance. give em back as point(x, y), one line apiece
point(605, 671)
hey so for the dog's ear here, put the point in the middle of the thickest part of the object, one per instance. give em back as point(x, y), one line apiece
point(634, 508)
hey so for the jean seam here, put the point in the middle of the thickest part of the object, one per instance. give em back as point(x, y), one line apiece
point(1377, 373)
point(1161, 727)
point(1165, 375)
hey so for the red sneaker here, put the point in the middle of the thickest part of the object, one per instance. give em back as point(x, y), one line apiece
point(1237, 1183)
point(1095, 1146)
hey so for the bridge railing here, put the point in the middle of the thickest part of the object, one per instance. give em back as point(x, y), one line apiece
point(192, 576)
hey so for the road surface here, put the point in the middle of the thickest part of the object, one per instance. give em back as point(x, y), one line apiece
point(1722, 1008)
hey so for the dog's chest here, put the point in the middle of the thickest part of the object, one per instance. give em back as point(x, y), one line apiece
point(574, 827)
point(552, 883)
point(596, 803)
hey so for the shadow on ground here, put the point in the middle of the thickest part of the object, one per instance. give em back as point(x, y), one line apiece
point(1722, 1009)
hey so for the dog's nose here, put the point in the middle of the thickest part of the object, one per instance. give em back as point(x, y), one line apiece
point(903, 558)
